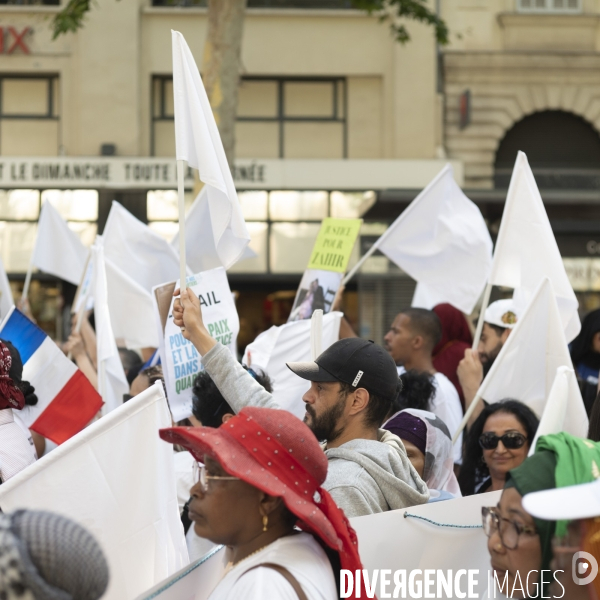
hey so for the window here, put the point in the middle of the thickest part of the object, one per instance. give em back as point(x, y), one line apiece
point(283, 224)
point(277, 118)
point(19, 213)
point(257, 3)
point(29, 119)
point(558, 6)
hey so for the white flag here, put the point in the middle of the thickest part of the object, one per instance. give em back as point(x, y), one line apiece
point(218, 212)
point(131, 309)
point(563, 408)
point(58, 250)
point(291, 342)
point(442, 241)
point(526, 249)
point(116, 478)
point(6, 298)
point(526, 366)
point(112, 383)
point(140, 252)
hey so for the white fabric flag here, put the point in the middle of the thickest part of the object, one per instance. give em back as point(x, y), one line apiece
point(131, 309)
point(112, 383)
point(526, 366)
point(562, 411)
point(526, 250)
point(6, 297)
point(58, 250)
point(442, 241)
point(218, 216)
point(291, 342)
point(201, 252)
point(140, 252)
point(427, 545)
point(116, 478)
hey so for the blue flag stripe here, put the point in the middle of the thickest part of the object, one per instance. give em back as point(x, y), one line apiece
point(24, 335)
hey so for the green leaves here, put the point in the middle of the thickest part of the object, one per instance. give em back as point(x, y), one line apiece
point(416, 10)
point(70, 18)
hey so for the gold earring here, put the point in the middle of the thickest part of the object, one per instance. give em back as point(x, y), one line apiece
point(265, 522)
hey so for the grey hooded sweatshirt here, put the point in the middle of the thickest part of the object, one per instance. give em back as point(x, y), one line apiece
point(364, 476)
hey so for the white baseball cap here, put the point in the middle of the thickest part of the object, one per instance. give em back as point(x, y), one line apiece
point(567, 503)
point(501, 313)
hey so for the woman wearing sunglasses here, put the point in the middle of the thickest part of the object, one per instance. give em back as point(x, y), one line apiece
point(259, 492)
point(519, 544)
point(498, 441)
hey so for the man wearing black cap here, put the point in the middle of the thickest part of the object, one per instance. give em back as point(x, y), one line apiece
point(353, 384)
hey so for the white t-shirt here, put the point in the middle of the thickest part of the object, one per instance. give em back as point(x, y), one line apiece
point(446, 405)
point(300, 554)
point(16, 446)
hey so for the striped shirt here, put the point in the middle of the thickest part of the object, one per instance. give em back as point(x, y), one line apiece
point(16, 448)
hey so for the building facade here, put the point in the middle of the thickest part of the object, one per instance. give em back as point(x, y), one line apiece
point(335, 118)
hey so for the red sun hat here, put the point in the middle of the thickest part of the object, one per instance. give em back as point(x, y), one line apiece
point(277, 453)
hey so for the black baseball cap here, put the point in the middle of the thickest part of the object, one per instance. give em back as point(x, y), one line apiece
point(357, 362)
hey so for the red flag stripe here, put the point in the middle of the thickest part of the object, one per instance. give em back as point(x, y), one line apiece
point(70, 411)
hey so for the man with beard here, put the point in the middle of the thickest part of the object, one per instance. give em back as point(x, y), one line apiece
point(499, 320)
point(352, 387)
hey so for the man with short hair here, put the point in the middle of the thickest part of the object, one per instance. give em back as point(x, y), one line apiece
point(499, 320)
point(352, 386)
point(410, 341)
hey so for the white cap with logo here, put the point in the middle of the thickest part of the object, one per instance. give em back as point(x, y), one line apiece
point(501, 313)
point(567, 503)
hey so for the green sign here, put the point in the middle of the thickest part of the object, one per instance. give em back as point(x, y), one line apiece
point(334, 244)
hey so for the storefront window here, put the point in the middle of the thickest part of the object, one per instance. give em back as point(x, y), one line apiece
point(290, 246)
point(298, 206)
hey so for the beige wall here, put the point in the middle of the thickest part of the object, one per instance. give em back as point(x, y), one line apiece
point(515, 64)
point(106, 69)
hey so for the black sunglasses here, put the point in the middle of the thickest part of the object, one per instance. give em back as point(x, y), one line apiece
point(511, 440)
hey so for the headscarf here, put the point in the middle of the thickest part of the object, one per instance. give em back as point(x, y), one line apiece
point(10, 395)
point(581, 347)
point(534, 474)
point(438, 473)
point(456, 338)
point(277, 453)
point(45, 555)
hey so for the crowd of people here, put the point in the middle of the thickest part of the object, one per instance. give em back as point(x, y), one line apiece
point(377, 435)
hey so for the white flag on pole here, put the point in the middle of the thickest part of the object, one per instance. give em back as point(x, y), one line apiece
point(116, 478)
point(291, 342)
point(6, 298)
point(112, 383)
point(218, 214)
point(442, 241)
point(140, 252)
point(562, 411)
point(131, 309)
point(526, 250)
point(58, 250)
point(527, 365)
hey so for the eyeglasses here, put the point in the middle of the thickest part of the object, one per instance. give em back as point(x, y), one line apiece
point(509, 531)
point(511, 440)
point(200, 476)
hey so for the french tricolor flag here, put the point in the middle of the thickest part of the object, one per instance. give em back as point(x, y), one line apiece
point(67, 401)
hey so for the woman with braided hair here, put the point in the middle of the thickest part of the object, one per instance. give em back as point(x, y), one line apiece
point(259, 492)
point(16, 449)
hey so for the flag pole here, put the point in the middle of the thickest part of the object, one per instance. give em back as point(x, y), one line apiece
point(181, 198)
point(316, 333)
point(480, 321)
point(468, 415)
point(26, 285)
point(360, 263)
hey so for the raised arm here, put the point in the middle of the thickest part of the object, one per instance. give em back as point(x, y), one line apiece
point(238, 387)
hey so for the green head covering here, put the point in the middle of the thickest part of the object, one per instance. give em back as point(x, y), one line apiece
point(535, 474)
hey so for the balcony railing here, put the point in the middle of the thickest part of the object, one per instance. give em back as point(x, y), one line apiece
point(341, 4)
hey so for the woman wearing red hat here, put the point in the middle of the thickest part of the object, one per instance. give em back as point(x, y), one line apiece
point(259, 493)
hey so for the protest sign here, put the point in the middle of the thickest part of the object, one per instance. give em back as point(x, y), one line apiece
point(326, 267)
point(194, 582)
point(116, 478)
point(180, 360)
point(439, 536)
